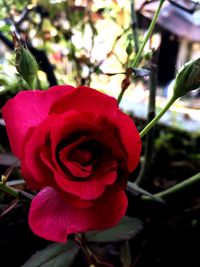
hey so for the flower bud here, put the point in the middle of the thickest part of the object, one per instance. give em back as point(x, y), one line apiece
point(26, 65)
point(188, 78)
point(125, 83)
point(129, 49)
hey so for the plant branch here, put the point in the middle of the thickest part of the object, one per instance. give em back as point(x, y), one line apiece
point(7, 6)
point(40, 56)
point(162, 112)
point(9, 190)
point(176, 188)
point(149, 32)
point(24, 15)
point(134, 26)
point(149, 138)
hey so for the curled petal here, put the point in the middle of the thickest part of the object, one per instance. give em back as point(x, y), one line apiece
point(35, 169)
point(76, 169)
point(27, 110)
point(130, 138)
point(86, 99)
point(53, 218)
point(86, 189)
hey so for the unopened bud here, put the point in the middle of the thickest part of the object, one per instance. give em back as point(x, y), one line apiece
point(188, 78)
point(125, 83)
point(26, 65)
point(129, 49)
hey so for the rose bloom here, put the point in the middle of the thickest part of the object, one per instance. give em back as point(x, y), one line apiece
point(77, 148)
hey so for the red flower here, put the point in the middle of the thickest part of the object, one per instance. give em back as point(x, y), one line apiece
point(78, 148)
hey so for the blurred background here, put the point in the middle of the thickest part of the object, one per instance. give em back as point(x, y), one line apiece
point(87, 42)
point(94, 43)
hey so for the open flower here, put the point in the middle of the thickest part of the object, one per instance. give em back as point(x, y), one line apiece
point(77, 148)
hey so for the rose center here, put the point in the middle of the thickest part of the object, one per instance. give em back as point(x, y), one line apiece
point(83, 157)
point(86, 153)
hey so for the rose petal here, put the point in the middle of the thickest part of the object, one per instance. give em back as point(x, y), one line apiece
point(27, 109)
point(129, 137)
point(90, 100)
point(65, 130)
point(35, 169)
point(89, 189)
point(52, 218)
point(86, 99)
point(76, 169)
point(38, 166)
point(49, 171)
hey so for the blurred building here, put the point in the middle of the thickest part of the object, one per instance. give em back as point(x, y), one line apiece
point(179, 26)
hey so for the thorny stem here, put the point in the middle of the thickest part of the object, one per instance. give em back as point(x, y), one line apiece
point(91, 257)
point(162, 112)
point(149, 138)
point(18, 194)
point(176, 188)
point(9, 190)
point(134, 26)
point(120, 96)
point(149, 32)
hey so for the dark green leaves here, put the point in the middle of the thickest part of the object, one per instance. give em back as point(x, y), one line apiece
point(63, 255)
point(127, 229)
point(55, 255)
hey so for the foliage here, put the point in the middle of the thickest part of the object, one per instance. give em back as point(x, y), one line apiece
point(71, 34)
point(96, 43)
point(127, 229)
point(57, 255)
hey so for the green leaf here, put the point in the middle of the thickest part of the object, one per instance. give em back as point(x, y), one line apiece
point(127, 229)
point(55, 255)
point(129, 48)
point(5, 28)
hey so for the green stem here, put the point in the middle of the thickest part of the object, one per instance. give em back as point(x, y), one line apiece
point(150, 30)
point(153, 122)
point(32, 84)
point(39, 86)
point(9, 190)
point(120, 96)
point(177, 188)
point(134, 26)
point(138, 55)
point(141, 179)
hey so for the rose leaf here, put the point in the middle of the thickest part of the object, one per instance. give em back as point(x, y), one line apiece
point(127, 229)
point(54, 255)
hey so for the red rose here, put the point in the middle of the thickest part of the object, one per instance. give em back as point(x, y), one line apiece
point(78, 148)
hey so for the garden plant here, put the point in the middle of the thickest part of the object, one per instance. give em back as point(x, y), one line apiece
point(80, 174)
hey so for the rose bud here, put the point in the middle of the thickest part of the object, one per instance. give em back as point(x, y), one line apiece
point(188, 78)
point(77, 149)
point(125, 83)
point(26, 65)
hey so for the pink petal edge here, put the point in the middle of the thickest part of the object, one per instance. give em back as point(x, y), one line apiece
point(52, 218)
point(27, 109)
